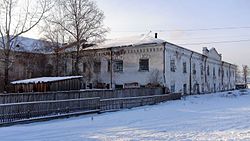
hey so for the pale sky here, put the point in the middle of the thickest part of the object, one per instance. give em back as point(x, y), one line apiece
point(198, 21)
point(133, 17)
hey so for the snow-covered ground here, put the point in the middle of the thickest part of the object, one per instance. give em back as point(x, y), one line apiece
point(222, 116)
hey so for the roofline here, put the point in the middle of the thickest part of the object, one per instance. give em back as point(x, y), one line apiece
point(199, 53)
point(145, 44)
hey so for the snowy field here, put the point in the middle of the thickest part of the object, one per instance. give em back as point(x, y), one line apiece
point(221, 116)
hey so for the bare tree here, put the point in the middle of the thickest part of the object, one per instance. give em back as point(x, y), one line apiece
point(82, 20)
point(245, 71)
point(17, 18)
point(54, 36)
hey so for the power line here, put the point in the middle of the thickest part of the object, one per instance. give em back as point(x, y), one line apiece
point(198, 29)
point(216, 42)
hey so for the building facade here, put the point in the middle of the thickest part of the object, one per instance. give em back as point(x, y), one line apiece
point(147, 61)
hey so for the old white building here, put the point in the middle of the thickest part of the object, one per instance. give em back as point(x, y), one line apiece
point(143, 60)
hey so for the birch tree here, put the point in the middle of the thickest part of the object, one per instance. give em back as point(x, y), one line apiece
point(82, 20)
point(16, 18)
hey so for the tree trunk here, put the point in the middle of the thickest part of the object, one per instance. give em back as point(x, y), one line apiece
point(6, 62)
point(6, 73)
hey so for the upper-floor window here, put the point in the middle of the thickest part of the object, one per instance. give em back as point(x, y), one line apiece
point(97, 67)
point(202, 69)
point(219, 72)
point(184, 67)
point(172, 65)
point(144, 65)
point(208, 71)
point(109, 65)
point(194, 68)
point(118, 65)
point(214, 71)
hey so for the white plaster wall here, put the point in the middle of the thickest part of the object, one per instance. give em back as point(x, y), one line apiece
point(131, 59)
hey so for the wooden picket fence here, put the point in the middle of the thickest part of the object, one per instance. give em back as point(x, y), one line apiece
point(62, 95)
point(11, 113)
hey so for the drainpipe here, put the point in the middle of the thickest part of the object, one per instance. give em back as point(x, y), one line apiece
point(190, 73)
point(164, 64)
point(230, 76)
point(205, 67)
point(222, 77)
point(111, 68)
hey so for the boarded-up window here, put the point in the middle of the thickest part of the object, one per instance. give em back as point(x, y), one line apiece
point(144, 65)
point(97, 67)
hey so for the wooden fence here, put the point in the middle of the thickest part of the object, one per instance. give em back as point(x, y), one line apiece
point(130, 102)
point(103, 94)
point(26, 110)
point(58, 104)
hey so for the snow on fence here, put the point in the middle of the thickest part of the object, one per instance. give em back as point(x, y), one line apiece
point(103, 94)
point(28, 110)
point(19, 108)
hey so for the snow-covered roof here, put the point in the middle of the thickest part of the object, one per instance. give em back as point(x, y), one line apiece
point(44, 79)
point(128, 41)
point(25, 44)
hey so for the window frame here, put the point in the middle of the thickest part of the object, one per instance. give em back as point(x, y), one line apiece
point(143, 64)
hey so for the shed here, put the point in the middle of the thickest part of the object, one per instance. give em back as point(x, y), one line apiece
point(45, 84)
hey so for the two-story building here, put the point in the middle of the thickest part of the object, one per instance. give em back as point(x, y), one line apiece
point(141, 61)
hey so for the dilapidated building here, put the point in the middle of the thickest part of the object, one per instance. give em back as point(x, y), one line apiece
point(142, 61)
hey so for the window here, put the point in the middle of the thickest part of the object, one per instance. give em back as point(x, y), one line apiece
point(173, 88)
point(184, 88)
point(214, 72)
point(118, 66)
point(109, 65)
point(97, 67)
point(219, 72)
point(201, 69)
point(208, 71)
point(184, 67)
point(194, 68)
point(172, 65)
point(144, 65)
point(202, 88)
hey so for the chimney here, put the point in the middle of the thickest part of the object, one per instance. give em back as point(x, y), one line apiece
point(156, 35)
point(205, 51)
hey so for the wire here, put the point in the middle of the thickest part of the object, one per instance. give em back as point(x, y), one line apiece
point(216, 42)
point(198, 29)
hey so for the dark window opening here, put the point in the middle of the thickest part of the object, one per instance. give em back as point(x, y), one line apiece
point(144, 65)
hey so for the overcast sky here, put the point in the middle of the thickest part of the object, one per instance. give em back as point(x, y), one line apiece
point(185, 22)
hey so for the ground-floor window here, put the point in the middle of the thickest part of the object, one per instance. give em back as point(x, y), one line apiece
point(184, 88)
point(172, 89)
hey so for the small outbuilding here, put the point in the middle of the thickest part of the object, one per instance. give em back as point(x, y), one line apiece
point(45, 84)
